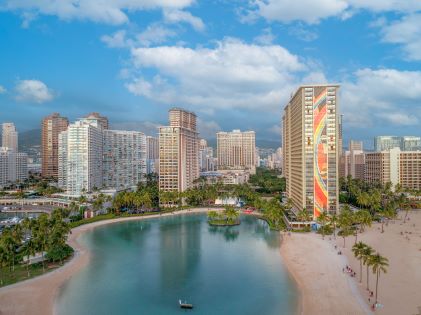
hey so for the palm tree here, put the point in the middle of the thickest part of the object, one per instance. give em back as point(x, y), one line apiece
point(3, 260)
point(345, 232)
point(17, 235)
point(378, 264)
point(212, 215)
point(358, 249)
point(334, 221)
point(366, 254)
point(323, 219)
point(303, 215)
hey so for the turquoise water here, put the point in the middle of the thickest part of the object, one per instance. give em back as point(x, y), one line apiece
point(145, 267)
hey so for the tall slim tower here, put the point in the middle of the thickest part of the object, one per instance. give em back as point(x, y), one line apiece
point(51, 127)
point(10, 136)
point(311, 148)
point(178, 151)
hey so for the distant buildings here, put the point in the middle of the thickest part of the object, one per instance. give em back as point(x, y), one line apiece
point(310, 148)
point(152, 155)
point(52, 125)
point(352, 161)
point(207, 162)
point(124, 158)
point(406, 143)
point(13, 166)
point(97, 118)
point(9, 136)
point(236, 150)
point(178, 151)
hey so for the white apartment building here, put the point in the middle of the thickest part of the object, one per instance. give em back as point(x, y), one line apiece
point(62, 160)
point(13, 166)
point(9, 136)
point(236, 150)
point(83, 162)
point(124, 158)
point(206, 159)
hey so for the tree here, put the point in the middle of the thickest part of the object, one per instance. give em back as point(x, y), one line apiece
point(29, 247)
point(378, 264)
point(366, 254)
point(17, 235)
point(303, 215)
point(41, 233)
point(334, 221)
point(231, 214)
point(358, 249)
point(212, 215)
point(345, 232)
point(3, 260)
point(323, 218)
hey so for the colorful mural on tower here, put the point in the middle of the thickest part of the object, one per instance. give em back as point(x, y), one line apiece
point(320, 153)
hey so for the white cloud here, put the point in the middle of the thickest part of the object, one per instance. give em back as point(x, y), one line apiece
point(266, 38)
point(104, 11)
point(208, 128)
point(376, 96)
point(155, 34)
point(312, 12)
point(233, 74)
point(2, 89)
point(116, 40)
point(177, 16)
point(33, 91)
point(406, 32)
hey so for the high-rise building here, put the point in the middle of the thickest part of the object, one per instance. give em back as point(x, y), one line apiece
point(394, 166)
point(52, 125)
point(310, 147)
point(152, 155)
point(355, 145)
point(178, 152)
point(410, 143)
point(236, 150)
point(352, 161)
point(9, 136)
point(83, 160)
point(206, 159)
point(102, 120)
point(13, 166)
point(124, 158)
point(62, 160)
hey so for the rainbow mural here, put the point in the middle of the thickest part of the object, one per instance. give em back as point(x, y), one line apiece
point(320, 154)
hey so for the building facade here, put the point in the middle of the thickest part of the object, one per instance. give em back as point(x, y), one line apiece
point(236, 150)
point(152, 155)
point(10, 136)
point(310, 148)
point(406, 143)
point(124, 158)
point(13, 166)
point(52, 125)
point(178, 151)
point(83, 161)
point(102, 120)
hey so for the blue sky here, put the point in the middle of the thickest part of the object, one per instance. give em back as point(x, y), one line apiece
point(234, 63)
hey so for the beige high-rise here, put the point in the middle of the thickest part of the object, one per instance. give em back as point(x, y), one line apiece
point(103, 121)
point(310, 141)
point(178, 151)
point(51, 127)
point(9, 136)
point(236, 150)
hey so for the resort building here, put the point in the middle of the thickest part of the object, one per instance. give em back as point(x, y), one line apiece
point(9, 136)
point(236, 150)
point(406, 143)
point(178, 151)
point(206, 158)
point(102, 120)
point(310, 148)
point(394, 166)
point(83, 161)
point(62, 160)
point(52, 125)
point(21, 166)
point(124, 158)
point(353, 161)
point(152, 155)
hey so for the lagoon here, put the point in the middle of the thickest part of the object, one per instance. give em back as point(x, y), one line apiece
point(146, 266)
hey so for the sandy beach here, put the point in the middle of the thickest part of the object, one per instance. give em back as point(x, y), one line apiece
point(400, 287)
point(317, 269)
point(37, 296)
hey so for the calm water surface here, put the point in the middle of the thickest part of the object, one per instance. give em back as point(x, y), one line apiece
point(145, 267)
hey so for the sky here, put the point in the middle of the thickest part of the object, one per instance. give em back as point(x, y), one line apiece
point(234, 63)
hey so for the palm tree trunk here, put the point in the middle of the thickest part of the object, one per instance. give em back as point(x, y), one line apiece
point(377, 282)
point(361, 270)
point(382, 226)
point(356, 236)
point(367, 279)
point(334, 231)
point(344, 242)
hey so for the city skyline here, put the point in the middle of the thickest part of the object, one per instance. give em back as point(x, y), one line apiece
point(255, 57)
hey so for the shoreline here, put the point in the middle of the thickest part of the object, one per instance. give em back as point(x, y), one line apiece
point(39, 295)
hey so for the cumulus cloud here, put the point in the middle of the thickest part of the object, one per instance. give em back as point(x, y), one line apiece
point(177, 16)
point(33, 91)
point(405, 32)
point(2, 89)
point(311, 12)
point(376, 96)
point(266, 38)
point(115, 40)
point(233, 74)
point(105, 11)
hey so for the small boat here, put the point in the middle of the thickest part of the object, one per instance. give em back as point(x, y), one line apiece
point(185, 305)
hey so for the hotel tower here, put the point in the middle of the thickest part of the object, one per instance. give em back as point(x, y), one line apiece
point(178, 151)
point(310, 139)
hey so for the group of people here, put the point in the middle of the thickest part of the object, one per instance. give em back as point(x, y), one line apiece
point(349, 270)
